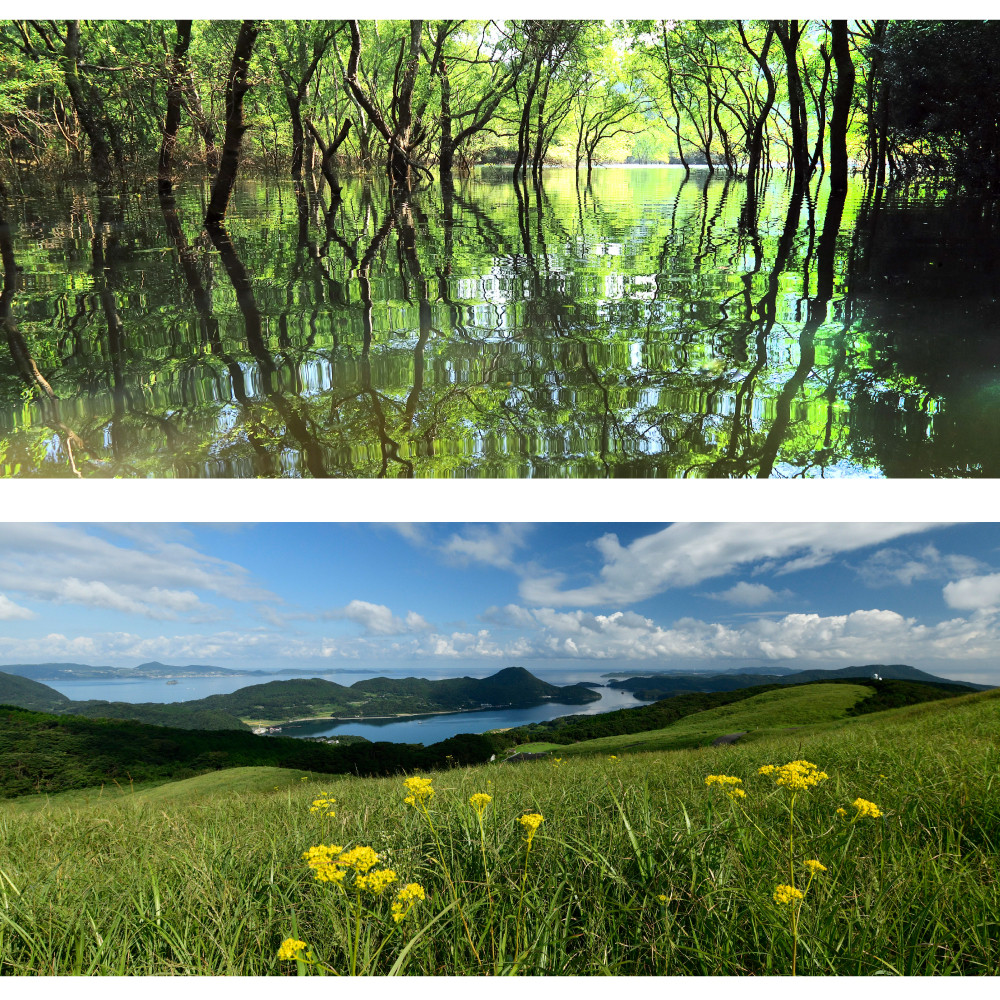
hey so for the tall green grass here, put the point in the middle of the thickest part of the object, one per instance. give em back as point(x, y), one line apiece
point(205, 876)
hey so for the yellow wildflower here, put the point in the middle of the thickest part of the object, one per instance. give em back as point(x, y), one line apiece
point(556, 761)
point(797, 775)
point(736, 793)
point(531, 822)
point(405, 900)
point(325, 861)
point(723, 779)
point(841, 812)
point(419, 789)
point(662, 898)
point(480, 801)
point(814, 866)
point(787, 894)
point(614, 756)
point(323, 806)
point(291, 949)
point(359, 858)
point(866, 809)
point(375, 882)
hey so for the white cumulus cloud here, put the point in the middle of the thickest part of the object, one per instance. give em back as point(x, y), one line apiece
point(685, 554)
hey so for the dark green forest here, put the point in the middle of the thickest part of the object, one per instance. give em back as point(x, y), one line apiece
point(412, 100)
point(42, 753)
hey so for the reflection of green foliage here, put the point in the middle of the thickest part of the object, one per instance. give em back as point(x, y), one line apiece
point(619, 328)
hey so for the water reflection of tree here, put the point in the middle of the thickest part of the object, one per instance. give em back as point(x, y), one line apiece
point(599, 338)
point(24, 362)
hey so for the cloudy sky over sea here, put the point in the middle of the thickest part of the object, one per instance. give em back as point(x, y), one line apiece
point(474, 598)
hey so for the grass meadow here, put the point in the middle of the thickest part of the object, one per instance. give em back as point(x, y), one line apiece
point(637, 867)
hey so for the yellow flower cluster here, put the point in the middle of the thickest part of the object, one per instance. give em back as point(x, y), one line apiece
point(330, 862)
point(556, 761)
point(729, 783)
point(787, 894)
point(531, 822)
point(797, 775)
point(814, 866)
point(480, 801)
point(420, 789)
point(405, 900)
point(359, 858)
point(324, 860)
point(375, 882)
point(841, 813)
point(324, 806)
point(866, 809)
point(291, 949)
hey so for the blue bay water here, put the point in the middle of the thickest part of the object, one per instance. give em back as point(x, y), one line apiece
point(425, 729)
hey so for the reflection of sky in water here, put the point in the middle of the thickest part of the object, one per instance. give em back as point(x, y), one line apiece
point(429, 729)
point(632, 311)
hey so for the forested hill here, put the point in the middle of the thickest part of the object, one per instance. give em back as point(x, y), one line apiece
point(513, 687)
point(52, 753)
point(652, 687)
point(279, 701)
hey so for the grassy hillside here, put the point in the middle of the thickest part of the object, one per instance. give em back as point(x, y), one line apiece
point(639, 867)
point(762, 713)
point(27, 693)
point(654, 686)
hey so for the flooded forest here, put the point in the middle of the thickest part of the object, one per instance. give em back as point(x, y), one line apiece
point(459, 248)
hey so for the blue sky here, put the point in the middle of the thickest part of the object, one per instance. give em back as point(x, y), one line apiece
point(468, 598)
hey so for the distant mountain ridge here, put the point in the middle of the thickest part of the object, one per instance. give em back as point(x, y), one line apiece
point(651, 687)
point(84, 671)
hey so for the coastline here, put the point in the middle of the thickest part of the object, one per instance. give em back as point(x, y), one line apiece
point(399, 715)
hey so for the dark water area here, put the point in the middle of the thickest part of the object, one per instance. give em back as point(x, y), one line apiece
point(429, 729)
point(643, 326)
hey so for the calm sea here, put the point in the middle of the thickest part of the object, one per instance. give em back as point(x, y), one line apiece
point(414, 729)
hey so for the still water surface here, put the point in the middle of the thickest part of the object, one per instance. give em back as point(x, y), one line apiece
point(414, 729)
point(646, 325)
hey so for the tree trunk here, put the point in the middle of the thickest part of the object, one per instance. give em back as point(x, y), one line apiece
point(328, 153)
point(100, 148)
point(446, 161)
point(201, 122)
point(524, 129)
point(236, 88)
point(175, 93)
point(298, 133)
point(841, 106)
point(757, 136)
point(788, 33)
